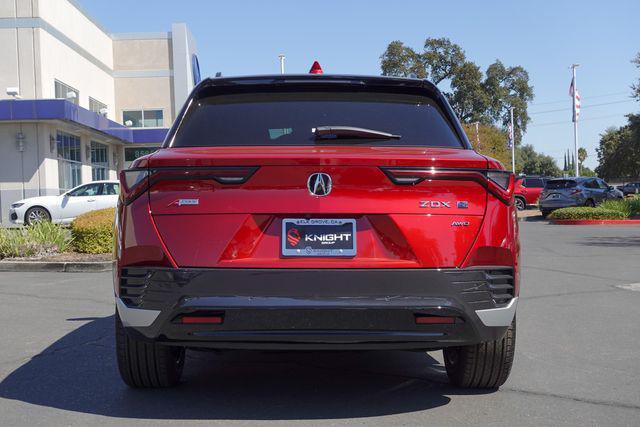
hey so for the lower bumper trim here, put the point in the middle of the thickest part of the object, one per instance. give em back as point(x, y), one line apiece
point(135, 317)
point(502, 316)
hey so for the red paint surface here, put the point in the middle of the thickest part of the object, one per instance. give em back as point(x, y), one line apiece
point(239, 225)
point(530, 194)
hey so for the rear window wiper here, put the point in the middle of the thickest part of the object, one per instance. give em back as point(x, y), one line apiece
point(338, 132)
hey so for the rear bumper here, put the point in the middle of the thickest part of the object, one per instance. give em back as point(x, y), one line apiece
point(560, 203)
point(317, 309)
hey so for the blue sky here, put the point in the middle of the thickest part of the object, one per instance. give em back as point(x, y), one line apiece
point(245, 37)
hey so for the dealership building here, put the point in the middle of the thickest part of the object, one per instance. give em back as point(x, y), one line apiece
point(78, 103)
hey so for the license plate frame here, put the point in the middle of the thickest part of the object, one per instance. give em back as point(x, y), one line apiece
point(325, 233)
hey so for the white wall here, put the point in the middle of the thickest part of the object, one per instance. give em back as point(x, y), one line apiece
point(58, 61)
point(70, 21)
point(20, 172)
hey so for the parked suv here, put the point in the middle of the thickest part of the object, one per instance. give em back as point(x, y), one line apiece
point(316, 212)
point(527, 191)
point(630, 188)
point(567, 192)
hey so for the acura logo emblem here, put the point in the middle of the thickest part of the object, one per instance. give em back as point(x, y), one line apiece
point(319, 184)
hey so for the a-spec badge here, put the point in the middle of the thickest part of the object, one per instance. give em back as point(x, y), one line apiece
point(460, 224)
point(462, 204)
point(185, 202)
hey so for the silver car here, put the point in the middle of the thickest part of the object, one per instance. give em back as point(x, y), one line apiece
point(566, 192)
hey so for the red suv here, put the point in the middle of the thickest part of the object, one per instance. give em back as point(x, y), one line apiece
point(527, 191)
point(316, 212)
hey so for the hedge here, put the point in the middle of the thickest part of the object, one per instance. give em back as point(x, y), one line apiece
point(630, 206)
point(586, 213)
point(93, 232)
point(41, 238)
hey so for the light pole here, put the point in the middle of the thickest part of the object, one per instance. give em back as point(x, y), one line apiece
point(513, 143)
point(281, 57)
point(476, 124)
point(574, 94)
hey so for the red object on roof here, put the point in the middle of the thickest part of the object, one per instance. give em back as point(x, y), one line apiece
point(315, 68)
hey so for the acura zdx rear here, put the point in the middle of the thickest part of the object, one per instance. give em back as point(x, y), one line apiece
point(316, 212)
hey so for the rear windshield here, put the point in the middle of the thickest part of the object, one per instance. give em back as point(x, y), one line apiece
point(288, 119)
point(533, 182)
point(559, 184)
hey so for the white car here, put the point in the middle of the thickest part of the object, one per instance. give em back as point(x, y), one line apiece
point(64, 208)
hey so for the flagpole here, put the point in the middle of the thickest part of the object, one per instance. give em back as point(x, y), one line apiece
point(575, 118)
point(513, 144)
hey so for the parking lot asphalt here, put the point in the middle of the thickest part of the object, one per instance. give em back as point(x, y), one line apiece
point(577, 356)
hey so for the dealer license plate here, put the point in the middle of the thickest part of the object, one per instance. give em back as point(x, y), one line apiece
point(318, 237)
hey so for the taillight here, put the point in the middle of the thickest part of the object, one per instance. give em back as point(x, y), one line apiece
point(500, 183)
point(500, 177)
point(223, 174)
point(135, 182)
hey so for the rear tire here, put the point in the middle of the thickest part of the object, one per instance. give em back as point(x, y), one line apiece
point(147, 364)
point(484, 365)
point(521, 204)
point(590, 203)
point(545, 213)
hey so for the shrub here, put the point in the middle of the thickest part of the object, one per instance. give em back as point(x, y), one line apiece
point(93, 232)
point(619, 205)
point(39, 239)
point(586, 213)
point(629, 206)
point(634, 205)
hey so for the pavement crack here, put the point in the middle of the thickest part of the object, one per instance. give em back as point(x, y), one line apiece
point(573, 398)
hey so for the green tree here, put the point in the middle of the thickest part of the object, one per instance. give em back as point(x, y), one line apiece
point(509, 87)
point(530, 162)
point(619, 151)
point(493, 142)
point(400, 60)
point(469, 99)
point(475, 96)
point(582, 156)
point(442, 59)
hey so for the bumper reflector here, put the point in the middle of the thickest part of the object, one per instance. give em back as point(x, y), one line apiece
point(434, 320)
point(190, 320)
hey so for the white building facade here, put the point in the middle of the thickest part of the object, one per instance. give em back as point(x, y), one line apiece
point(78, 103)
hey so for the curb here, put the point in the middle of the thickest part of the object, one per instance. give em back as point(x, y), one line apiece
point(596, 221)
point(60, 267)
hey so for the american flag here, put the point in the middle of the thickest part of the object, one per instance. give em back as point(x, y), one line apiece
point(573, 92)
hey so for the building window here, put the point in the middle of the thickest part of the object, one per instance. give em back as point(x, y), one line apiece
point(64, 91)
point(143, 118)
point(132, 153)
point(99, 161)
point(97, 106)
point(69, 162)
